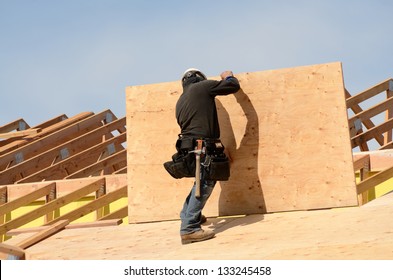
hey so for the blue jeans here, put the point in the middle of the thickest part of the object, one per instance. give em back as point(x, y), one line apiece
point(190, 215)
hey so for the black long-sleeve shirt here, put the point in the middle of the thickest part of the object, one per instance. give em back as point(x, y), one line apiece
point(196, 111)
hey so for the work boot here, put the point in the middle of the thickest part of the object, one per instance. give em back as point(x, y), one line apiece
point(203, 219)
point(197, 236)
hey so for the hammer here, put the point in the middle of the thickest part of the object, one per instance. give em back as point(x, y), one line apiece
point(198, 152)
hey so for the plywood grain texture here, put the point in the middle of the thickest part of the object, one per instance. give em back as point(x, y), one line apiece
point(286, 132)
point(349, 233)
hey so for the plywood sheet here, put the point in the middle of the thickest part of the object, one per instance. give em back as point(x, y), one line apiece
point(350, 233)
point(286, 132)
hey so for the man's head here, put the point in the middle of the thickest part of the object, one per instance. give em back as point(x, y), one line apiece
point(194, 75)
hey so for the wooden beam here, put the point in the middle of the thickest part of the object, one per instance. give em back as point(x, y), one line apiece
point(368, 93)
point(388, 115)
point(18, 231)
point(374, 180)
point(54, 129)
point(22, 133)
point(14, 125)
point(26, 199)
point(99, 223)
point(16, 251)
point(51, 122)
point(64, 187)
point(40, 126)
point(73, 128)
point(3, 195)
point(51, 206)
point(121, 170)
point(56, 227)
point(47, 158)
point(360, 162)
point(367, 123)
point(118, 157)
point(373, 111)
point(3, 200)
point(118, 214)
point(92, 206)
point(371, 133)
point(73, 163)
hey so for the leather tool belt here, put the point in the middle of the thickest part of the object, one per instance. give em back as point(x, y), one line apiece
point(214, 162)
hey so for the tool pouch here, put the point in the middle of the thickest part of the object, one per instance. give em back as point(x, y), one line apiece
point(183, 162)
point(182, 165)
point(217, 168)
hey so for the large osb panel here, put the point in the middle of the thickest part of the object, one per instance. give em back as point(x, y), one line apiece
point(286, 132)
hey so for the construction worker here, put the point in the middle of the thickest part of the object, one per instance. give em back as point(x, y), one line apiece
point(196, 114)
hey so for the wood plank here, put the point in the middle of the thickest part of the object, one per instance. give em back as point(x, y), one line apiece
point(388, 115)
point(51, 122)
point(122, 170)
point(63, 187)
point(92, 206)
point(47, 158)
point(39, 126)
point(51, 206)
point(367, 123)
point(3, 195)
point(371, 133)
point(12, 250)
point(100, 223)
point(274, 130)
point(14, 125)
point(45, 132)
point(55, 135)
point(18, 231)
point(39, 236)
point(95, 224)
point(372, 111)
point(374, 180)
point(360, 162)
point(73, 163)
point(118, 214)
point(368, 93)
point(22, 133)
point(26, 199)
point(118, 157)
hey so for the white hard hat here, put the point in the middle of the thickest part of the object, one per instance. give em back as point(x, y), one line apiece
point(193, 71)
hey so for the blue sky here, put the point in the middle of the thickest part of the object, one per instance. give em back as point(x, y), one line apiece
point(71, 56)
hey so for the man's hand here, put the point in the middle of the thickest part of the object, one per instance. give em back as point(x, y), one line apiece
point(226, 74)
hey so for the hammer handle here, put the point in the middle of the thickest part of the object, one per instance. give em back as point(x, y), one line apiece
point(198, 176)
point(198, 168)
